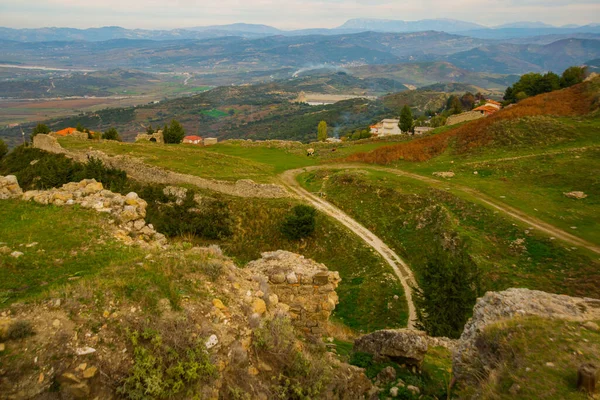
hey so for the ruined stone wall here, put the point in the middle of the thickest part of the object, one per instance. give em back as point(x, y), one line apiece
point(305, 285)
point(157, 136)
point(466, 116)
point(142, 172)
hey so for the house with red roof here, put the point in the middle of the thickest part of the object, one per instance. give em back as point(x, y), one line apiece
point(192, 140)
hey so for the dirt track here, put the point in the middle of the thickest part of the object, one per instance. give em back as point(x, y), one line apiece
point(401, 269)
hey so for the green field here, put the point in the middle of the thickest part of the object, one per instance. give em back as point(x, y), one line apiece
point(541, 159)
point(70, 244)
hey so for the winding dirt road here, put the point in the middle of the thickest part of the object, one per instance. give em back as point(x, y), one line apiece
point(400, 268)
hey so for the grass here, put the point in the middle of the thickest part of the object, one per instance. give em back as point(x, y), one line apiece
point(408, 215)
point(523, 347)
point(533, 177)
point(71, 244)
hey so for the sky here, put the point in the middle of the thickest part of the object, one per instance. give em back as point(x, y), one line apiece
point(284, 14)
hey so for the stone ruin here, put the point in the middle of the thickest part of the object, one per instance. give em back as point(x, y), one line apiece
point(129, 211)
point(156, 137)
point(306, 286)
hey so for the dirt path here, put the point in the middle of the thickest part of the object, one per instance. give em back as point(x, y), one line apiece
point(548, 153)
point(401, 269)
point(512, 212)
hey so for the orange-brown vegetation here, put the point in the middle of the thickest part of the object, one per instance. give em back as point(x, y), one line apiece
point(577, 100)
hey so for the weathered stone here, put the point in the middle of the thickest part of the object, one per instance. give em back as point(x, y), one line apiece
point(259, 306)
point(402, 345)
point(277, 278)
point(68, 378)
point(321, 279)
point(212, 341)
point(219, 304)
point(90, 372)
point(291, 278)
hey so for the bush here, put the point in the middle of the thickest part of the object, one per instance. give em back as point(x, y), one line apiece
point(211, 220)
point(40, 128)
point(111, 134)
point(163, 370)
point(3, 149)
point(300, 224)
point(18, 330)
point(37, 169)
point(449, 286)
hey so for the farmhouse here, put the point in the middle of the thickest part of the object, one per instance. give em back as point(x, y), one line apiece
point(73, 132)
point(387, 127)
point(192, 140)
point(487, 109)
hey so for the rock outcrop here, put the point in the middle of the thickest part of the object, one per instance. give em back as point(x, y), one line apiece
point(404, 346)
point(497, 306)
point(9, 187)
point(305, 285)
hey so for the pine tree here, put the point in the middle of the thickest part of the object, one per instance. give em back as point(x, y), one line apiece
point(111, 134)
point(449, 286)
point(322, 131)
point(174, 133)
point(40, 128)
point(406, 120)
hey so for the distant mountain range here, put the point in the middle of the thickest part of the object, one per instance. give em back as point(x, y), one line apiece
point(299, 52)
point(506, 31)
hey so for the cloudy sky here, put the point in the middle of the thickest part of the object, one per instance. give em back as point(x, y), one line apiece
point(284, 14)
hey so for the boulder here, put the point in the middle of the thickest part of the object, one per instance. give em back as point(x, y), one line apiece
point(400, 345)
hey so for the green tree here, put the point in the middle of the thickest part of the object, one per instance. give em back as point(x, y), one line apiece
point(572, 76)
point(437, 121)
point(80, 128)
point(322, 131)
point(449, 286)
point(3, 149)
point(40, 128)
point(173, 133)
point(468, 101)
point(549, 83)
point(406, 119)
point(150, 130)
point(111, 134)
point(300, 224)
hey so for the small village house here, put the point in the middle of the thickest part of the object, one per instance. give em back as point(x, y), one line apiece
point(197, 140)
point(419, 130)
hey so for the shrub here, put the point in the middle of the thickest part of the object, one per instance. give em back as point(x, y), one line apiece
point(40, 128)
point(163, 370)
point(211, 220)
point(300, 224)
point(3, 149)
point(213, 269)
point(37, 169)
point(111, 134)
point(18, 330)
point(449, 286)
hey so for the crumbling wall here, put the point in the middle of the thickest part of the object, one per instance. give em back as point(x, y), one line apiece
point(156, 137)
point(305, 285)
point(142, 172)
point(129, 211)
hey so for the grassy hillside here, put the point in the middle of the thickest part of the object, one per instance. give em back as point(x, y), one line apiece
point(529, 366)
point(410, 215)
point(526, 156)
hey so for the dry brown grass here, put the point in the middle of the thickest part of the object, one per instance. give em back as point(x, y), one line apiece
point(577, 100)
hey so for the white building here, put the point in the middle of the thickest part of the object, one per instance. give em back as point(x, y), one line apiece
point(389, 127)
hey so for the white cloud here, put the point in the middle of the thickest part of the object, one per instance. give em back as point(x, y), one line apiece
point(291, 14)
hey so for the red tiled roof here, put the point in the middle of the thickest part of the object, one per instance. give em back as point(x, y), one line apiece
point(65, 132)
point(486, 109)
point(493, 102)
point(193, 137)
